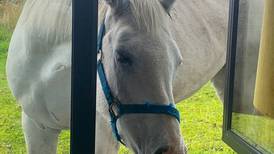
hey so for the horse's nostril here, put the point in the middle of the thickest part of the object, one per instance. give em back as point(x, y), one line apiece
point(162, 149)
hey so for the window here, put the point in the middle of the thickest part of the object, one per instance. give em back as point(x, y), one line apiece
point(249, 108)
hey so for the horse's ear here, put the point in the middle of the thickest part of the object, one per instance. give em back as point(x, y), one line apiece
point(167, 4)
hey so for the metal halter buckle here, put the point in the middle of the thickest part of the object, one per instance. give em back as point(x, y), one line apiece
point(114, 108)
point(99, 55)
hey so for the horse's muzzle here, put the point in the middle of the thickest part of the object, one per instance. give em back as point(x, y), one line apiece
point(162, 150)
point(170, 150)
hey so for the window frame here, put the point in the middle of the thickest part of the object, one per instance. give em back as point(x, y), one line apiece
point(84, 71)
point(83, 76)
point(229, 137)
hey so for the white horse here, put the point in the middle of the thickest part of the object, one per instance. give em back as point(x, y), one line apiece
point(157, 50)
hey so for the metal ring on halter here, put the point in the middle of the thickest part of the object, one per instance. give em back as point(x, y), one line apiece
point(114, 108)
point(99, 55)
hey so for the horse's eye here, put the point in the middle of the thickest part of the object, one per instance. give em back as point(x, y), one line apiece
point(124, 58)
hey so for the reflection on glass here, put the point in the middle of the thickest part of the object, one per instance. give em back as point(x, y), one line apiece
point(255, 127)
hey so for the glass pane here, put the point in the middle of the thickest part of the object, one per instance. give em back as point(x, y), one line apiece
point(247, 122)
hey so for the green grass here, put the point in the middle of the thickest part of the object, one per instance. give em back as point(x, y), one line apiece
point(254, 128)
point(201, 118)
point(202, 122)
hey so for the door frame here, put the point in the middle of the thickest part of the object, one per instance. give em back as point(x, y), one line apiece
point(83, 76)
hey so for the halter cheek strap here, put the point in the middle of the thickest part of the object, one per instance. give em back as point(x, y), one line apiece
point(116, 108)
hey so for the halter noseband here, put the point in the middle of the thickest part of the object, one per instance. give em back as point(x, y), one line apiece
point(116, 108)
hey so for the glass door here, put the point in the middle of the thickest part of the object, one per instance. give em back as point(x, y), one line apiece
point(249, 107)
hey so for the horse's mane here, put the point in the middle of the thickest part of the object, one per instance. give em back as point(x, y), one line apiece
point(148, 15)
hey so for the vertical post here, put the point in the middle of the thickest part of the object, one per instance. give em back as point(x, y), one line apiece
point(264, 91)
point(83, 77)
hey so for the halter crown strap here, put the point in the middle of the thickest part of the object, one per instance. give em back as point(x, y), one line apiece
point(116, 108)
point(101, 34)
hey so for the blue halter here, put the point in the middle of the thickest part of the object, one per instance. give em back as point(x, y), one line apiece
point(116, 108)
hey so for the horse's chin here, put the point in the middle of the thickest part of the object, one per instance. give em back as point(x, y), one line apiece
point(178, 149)
point(182, 149)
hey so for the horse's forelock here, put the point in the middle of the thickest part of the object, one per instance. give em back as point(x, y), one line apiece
point(148, 15)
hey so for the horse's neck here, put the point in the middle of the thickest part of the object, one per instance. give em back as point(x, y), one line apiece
point(200, 28)
point(47, 19)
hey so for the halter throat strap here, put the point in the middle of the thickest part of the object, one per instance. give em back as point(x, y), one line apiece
point(116, 108)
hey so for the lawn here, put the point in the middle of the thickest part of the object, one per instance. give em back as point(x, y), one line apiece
point(255, 129)
point(201, 118)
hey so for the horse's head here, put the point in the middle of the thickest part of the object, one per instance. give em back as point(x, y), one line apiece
point(140, 58)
